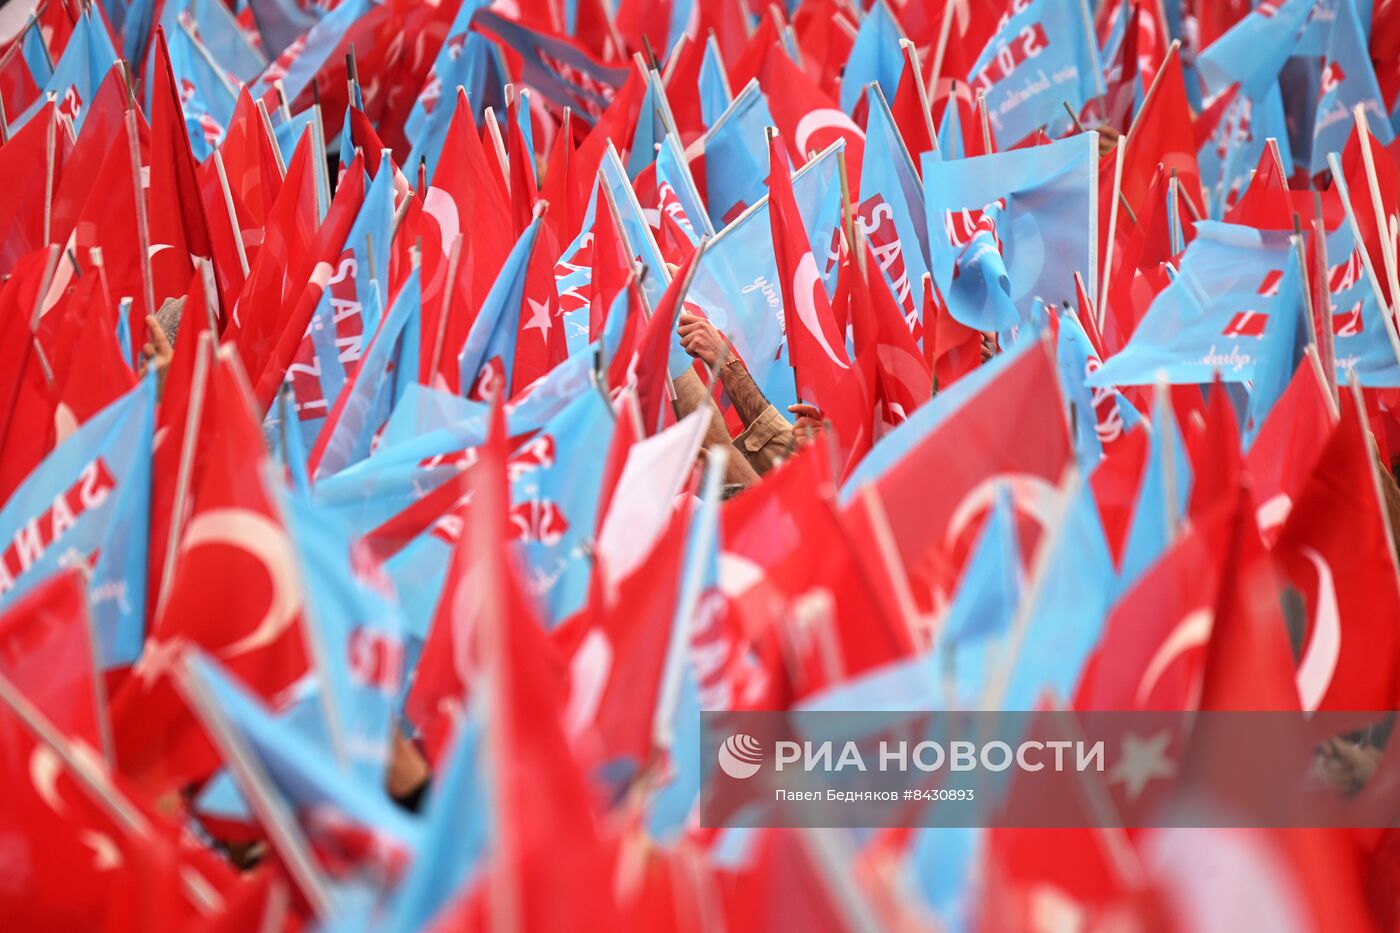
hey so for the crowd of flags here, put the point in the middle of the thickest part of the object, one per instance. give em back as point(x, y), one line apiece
point(1097, 302)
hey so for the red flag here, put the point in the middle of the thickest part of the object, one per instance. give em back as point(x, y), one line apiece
point(816, 346)
point(1373, 228)
point(1216, 463)
point(1152, 650)
point(311, 279)
point(549, 866)
point(1248, 663)
point(951, 348)
point(1336, 548)
point(235, 593)
point(809, 119)
point(463, 199)
point(1281, 458)
point(1161, 134)
point(251, 164)
point(67, 829)
point(902, 381)
point(286, 237)
point(620, 661)
point(911, 108)
point(38, 148)
point(46, 651)
point(178, 231)
point(1012, 430)
point(27, 399)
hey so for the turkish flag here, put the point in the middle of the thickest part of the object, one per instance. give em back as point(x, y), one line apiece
point(825, 375)
point(234, 593)
point(1337, 551)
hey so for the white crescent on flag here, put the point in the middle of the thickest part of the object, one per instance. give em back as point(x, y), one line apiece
point(823, 118)
point(1319, 661)
point(804, 282)
point(44, 767)
point(1031, 495)
point(1191, 632)
point(266, 541)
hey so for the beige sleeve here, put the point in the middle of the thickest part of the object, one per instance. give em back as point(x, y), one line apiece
point(768, 439)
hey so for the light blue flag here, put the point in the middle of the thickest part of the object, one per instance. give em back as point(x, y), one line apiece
point(456, 835)
point(36, 54)
point(1212, 317)
point(1165, 491)
point(220, 33)
point(206, 97)
point(556, 477)
point(134, 29)
point(489, 350)
point(124, 337)
point(950, 134)
point(356, 636)
point(715, 96)
point(650, 128)
point(1049, 199)
point(456, 64)
point(1075, 358)
point(474, 65)
point(633, 225)
point(90, 495)
point(289, 132)
point(281, 23)
point(980, 292)
point(1231, 155)
point(1043, 56)
point(891, 206)
point(736, 156)
point(684, 15)
point(573, 279)
point(314, 49)
point(636, 231)
point(77, 74)
point(289, 778)
point(875, 58)
point(1362, 343)
point(304, 713)
point(673, 171)
point(389, 366)
point(422, 410)
point(1348, 81)
point(1253, 51)
point(1287, 332)
point(1319, 26)
point(355, 487)
point(990, 588)
point(1071, 602)
point(736, 283)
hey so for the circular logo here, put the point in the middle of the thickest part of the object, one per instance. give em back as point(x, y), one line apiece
point(740, 756)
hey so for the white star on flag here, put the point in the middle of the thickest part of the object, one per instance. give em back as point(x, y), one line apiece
point(1140, 761)
point(539, 318)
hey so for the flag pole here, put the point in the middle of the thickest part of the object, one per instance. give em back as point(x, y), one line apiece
point(985, 119)
point(232, 212)
point(1368, 160)
point(945, 29)
point(440, 339)
point(143, 230)
point(1107, 273)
